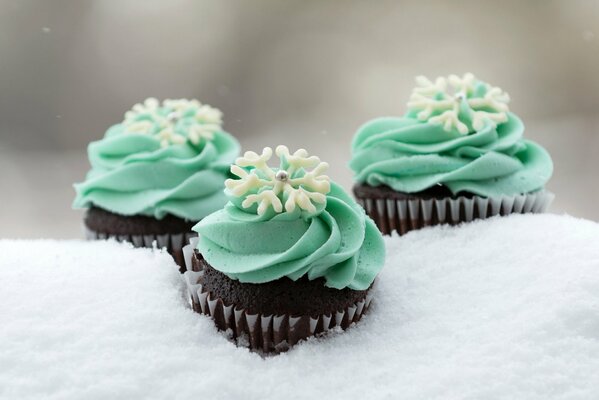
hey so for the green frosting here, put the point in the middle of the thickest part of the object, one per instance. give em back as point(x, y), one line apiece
point(410, 156)
point(142, 173)
point(340, 244)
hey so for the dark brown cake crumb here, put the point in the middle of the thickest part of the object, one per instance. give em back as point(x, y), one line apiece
point(103, 221)
point(283, 296)
point(385, 192)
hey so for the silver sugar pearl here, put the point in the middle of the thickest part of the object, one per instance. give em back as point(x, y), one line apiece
point(173, 116)
point(282, 176)
point(460, 96)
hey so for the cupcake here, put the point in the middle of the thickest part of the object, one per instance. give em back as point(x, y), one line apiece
point(456, 155)
point(156, 174)
point(291, 255)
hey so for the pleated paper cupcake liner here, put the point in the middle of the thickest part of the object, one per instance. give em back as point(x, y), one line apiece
point(173, 243)
point(259, 332)
point(405, 215)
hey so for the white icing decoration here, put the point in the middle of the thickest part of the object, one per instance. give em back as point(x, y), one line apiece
point(435, 103)
point(161, 120)
point(267, 187)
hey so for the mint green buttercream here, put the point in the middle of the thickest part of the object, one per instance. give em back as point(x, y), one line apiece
point(410, 156)
point(340, 244)
point(132, 174)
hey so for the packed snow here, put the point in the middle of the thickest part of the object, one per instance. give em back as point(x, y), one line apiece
point(506, 308)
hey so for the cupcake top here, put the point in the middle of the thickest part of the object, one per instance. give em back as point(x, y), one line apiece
point(164, 158)
point(458, 132)
point(290, 221)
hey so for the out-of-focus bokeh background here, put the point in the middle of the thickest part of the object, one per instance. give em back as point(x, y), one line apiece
point(301, 73)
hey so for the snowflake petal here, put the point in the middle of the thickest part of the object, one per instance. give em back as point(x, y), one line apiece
point(199, 122)
point(432, 102)
point(293, 181)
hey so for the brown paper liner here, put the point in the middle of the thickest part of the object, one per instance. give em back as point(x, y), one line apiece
point(173, 243)
point(404, 215)
point(265, 333)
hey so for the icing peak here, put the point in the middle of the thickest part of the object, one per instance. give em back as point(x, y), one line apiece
point(340, 243)
point(164, 158)
point(174, 121)
point(264, 189)
point(458, 104)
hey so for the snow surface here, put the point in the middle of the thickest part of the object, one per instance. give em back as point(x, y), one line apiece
point(506, 308)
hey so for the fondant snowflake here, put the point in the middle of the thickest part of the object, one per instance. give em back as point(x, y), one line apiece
point(455, 103)
point(285, 188)
point(174, 121)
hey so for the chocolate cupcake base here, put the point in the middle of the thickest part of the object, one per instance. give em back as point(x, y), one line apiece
point(399, 212)
point(170, 232)
point(274, 316)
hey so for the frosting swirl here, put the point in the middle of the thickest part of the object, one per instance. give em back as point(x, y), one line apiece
point(156, 163)
point(465, 149)
point(336, 241)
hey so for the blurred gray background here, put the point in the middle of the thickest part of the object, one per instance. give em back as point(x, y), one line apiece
point(301, 73)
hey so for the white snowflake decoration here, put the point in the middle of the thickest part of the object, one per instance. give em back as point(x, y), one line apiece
point(175, 121)
point(292, 183)
point(440, 102)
